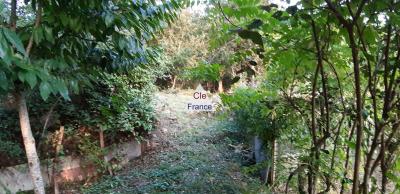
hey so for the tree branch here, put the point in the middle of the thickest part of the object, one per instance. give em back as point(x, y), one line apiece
point(338, 15)
point(37, 23)
point(359, 10)
point(13, 16)
point(225, 16)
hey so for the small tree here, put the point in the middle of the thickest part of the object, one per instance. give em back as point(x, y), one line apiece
point(65, 41)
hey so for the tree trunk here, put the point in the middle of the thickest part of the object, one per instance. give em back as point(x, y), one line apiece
point(384, 168)
point(220, 86)
point(349, 26)
point(359, 108)
point(313, 131)
point(29, 143)
point(301, 180)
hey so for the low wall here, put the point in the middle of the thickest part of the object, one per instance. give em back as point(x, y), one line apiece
point(69, 168)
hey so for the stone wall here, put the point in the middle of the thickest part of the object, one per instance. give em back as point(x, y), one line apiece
point(69, 168)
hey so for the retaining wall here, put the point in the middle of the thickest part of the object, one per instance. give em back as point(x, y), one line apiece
point(69, 168)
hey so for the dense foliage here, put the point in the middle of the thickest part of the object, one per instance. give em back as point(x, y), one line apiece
point(339, 82)
point(255, 114)
point(204, 72)
point(194, 53)
point(95, 50)
point(322, 76)
point(184, 44)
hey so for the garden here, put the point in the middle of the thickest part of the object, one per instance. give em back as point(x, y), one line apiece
point(99, 96)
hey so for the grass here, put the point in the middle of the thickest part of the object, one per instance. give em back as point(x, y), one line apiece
point(196, 158)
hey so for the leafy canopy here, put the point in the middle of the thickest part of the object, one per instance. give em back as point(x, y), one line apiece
point(71, 38)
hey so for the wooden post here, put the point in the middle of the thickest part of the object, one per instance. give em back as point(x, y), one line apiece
point(220, 86)
point(55, 162)
point(271, 177)
point(102, 146)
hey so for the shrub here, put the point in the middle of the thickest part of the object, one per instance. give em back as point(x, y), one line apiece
point(254, 113)
point(118, 103)
point(204, 72)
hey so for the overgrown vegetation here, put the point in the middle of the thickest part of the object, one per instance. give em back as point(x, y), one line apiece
point(199, 159)
point(86, 52)
point(332, 73)
point(313, 87)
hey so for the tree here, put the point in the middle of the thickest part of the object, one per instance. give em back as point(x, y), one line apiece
point(340, 78)
point(191, 43)
point(61, 41)
point(185, 44)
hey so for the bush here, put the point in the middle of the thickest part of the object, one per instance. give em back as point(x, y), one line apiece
point(9, 146)
point(120, 104)
point(204, 72)
point(254, 113)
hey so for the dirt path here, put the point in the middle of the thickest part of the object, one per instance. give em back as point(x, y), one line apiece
point(192, 156)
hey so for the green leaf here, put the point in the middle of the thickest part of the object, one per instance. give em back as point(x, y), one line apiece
point(60, 87)
point(351, 145)
point(13, 38)
point(21, 76)
point(23, 65)
point(75, 24)
point(64, 91)
point(109, 19)
point(74, 86)
point(2, 51)
point(31, 78)
point(38, 35)
point(45, 90)
point(395, 18)
point(255, 24)
point(48, 33)
point(255, 37)
point(121, 43)
point(3, 80)
point(392, 177)
point(370, 35)
point(3, 47)
point(64, 19)
point(365, 113)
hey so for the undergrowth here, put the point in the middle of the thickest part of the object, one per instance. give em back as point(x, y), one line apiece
point(200, 160)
